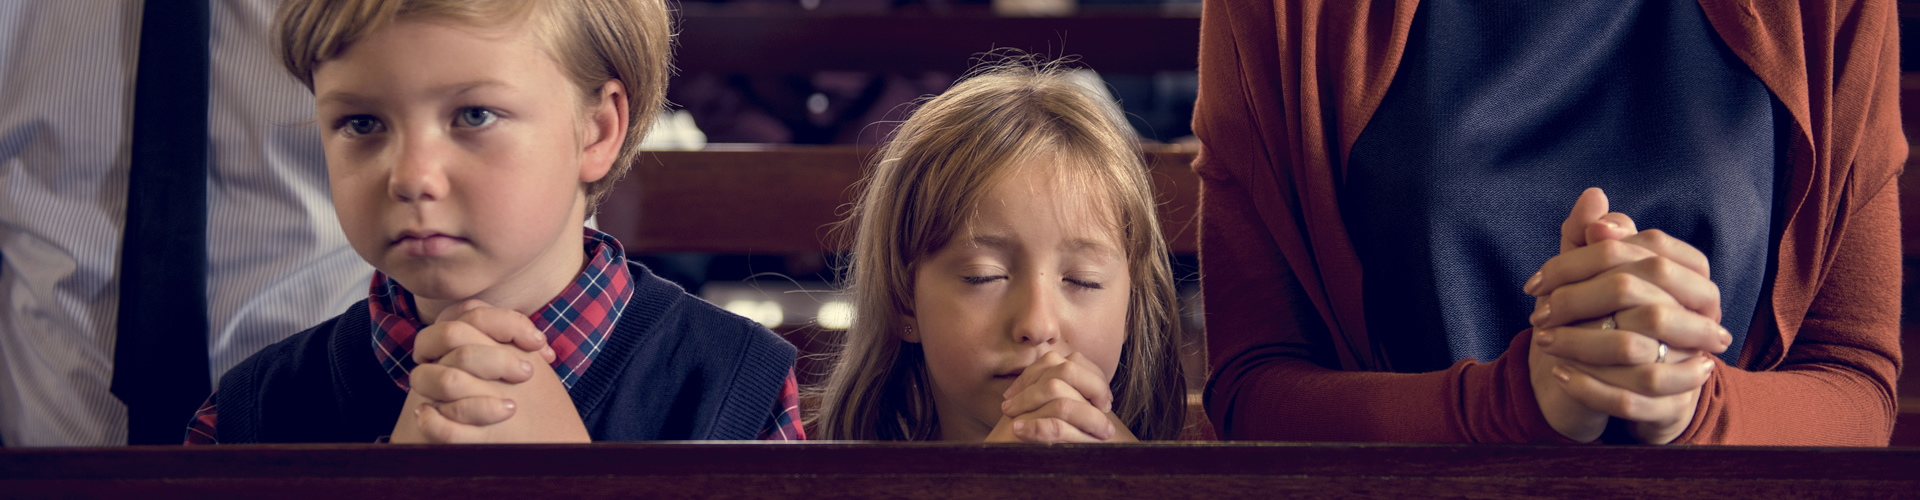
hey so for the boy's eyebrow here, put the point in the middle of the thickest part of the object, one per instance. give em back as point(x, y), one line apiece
point(342, 98)
point(452, 89)
point(464, 87)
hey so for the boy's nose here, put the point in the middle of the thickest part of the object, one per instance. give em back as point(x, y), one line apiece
point(420, 174)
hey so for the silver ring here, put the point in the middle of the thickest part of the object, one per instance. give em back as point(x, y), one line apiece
point(1662, 357)
point(1609, 324)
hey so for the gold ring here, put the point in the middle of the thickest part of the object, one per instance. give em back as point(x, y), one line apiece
point(1662, 357)
point(1609, 323)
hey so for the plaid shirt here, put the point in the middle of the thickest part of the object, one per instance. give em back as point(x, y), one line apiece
point(576, 323)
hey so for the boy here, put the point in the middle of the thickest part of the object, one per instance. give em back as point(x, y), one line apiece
point(465, 143)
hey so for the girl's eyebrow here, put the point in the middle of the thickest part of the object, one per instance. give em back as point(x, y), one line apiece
point(1086, 245)
point(992, 241)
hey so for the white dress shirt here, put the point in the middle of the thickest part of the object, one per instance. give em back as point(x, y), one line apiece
point(277, 260)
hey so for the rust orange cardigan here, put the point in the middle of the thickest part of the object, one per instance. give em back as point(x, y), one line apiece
point(1287, 85)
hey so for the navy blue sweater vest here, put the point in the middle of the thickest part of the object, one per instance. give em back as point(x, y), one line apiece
point(675, 368)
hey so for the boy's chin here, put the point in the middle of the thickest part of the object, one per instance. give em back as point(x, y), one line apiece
point(435, 286)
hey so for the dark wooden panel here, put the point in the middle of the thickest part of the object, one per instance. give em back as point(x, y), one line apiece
point(1906, 427)
point(956, 471)
point(785, 199)
point(799, 42)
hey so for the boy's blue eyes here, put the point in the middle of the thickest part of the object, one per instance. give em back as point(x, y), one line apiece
point(982, 280)
point(362, 125)
point(475, 117)
point(467, 118)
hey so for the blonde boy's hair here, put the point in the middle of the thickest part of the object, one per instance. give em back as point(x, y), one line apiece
point(593, 40)
point(939, 164)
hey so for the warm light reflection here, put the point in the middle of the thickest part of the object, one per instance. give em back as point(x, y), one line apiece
point(766, 313)
point(835, 315)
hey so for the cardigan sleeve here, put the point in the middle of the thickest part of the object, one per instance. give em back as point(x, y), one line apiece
point(1835, 385)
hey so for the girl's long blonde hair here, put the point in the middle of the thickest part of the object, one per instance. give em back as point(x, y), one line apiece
point(939, 164)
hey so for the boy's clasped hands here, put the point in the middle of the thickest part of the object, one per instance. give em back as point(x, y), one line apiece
point(485, 376)
point(1621, 325)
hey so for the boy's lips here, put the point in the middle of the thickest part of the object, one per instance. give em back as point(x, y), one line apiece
point(426, 243)
point(1010, 375)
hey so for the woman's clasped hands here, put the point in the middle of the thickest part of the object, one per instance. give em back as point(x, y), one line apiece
point(1622, 323)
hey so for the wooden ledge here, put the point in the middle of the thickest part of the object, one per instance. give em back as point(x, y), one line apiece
point(918, 470)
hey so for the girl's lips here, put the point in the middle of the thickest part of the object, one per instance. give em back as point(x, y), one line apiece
point(433, 245)
point(1011, 375)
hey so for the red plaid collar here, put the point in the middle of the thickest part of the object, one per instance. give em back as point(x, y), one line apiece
point(576, 322)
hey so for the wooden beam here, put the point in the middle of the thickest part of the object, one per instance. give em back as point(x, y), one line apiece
point(800, 42)
point(787, 199)
point(867, 470)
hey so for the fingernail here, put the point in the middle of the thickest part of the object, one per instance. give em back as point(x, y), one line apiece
point(1531, 282)
point(1609, 224)
point(1543, 337)
point(1018, 425)
point(1004, 405)
point(1109, 433)
point(1726, 337)
point(507, 403)
point(1561, 373)
point(526, 367)
point(1540, 316)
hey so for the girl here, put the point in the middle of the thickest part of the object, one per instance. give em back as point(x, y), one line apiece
point(1009, 277)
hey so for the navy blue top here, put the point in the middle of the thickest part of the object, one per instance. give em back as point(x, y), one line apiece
point(675, 368)
point(1501, 112)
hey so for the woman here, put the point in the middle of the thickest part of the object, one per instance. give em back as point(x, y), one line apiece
point(1390, 174)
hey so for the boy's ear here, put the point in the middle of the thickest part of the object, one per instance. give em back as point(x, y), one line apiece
point(606, 132)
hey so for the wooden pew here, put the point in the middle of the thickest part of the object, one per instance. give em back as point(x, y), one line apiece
point(772, 199)
point(760, 39)
point(870, 470)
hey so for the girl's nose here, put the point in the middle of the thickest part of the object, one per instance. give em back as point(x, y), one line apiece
point(1038, 320)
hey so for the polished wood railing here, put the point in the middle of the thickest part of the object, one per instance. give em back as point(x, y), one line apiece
point(862, 470)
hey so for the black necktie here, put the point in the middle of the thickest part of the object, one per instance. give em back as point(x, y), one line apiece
point(160, 353)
